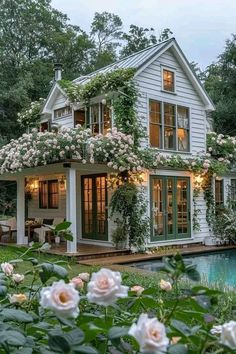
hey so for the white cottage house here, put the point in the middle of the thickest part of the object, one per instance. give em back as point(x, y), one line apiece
point(173, 107)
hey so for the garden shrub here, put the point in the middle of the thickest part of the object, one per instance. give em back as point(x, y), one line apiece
point(100, 314)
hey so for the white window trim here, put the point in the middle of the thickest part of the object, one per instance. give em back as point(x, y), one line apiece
point(162, 149)
point(162, 79)
point(66, 115)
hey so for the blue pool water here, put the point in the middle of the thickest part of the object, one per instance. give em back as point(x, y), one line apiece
point(215, 267)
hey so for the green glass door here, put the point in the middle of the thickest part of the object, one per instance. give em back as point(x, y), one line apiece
point(94, 207)
point(170, 207)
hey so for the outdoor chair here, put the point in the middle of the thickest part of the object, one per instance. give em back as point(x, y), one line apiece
point(7, 229)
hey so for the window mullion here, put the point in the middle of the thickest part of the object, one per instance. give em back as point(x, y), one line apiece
point(163, 126)
point(176, 130)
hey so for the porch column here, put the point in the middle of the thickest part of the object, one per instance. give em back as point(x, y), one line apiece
point(71, 207)
point(21, 240)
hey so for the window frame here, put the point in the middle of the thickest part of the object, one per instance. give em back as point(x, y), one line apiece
point(63, 115)
point(172, 70)
point(101, 121)
point(47, 204)
point(222, 194)
point(162, 148)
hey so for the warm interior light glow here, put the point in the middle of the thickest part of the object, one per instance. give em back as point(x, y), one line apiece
point(199, 179)
point(181, 133)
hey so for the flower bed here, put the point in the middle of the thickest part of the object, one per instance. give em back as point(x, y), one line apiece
point(100, 314)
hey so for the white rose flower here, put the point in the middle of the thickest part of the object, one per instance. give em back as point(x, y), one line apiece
point(62, 298)
point(7, 268)
point(216, 330)
point(84, 276)
point(150, 334)
point(165, 285)
point(17, 298)
point(18, 278)
point(228, 334)
point(105, 287)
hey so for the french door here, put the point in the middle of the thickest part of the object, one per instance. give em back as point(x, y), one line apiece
point(170, 207)
point(94, 207)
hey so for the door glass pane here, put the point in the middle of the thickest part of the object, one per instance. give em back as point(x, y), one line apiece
point(182, 206)
point(101, 204)
point(169, 206)
point(158, 208)
point(88, 205)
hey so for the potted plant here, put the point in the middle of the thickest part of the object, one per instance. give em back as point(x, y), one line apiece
point(120, 235)
point(62, 231)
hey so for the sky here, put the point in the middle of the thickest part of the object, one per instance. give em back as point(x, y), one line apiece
point(200, 26)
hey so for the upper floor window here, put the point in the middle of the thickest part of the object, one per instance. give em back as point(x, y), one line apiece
point(168, 126)
point(62, 112)
point(219, 192)
point(99, 120)
point(168, 80)
point(48, 194)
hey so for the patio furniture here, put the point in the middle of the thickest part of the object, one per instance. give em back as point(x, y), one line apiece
point(8, 228)
point(45, 231)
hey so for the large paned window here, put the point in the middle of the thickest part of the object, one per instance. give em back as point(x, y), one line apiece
point(155, 124)
point(168, 80)
point(169, 126)
point(219, 192)
point(183, 128)
point(48, 194)
point(62, 112)
point(99, 118)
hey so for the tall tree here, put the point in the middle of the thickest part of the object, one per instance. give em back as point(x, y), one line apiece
point(139, 38)
point(32, 36)
point(106, 32)
point(220, 82)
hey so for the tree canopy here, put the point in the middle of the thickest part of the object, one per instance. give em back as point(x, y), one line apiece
point(34, 35)
point(220, 82)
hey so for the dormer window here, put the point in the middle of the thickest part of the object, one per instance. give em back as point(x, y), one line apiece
point(168, 78)
point(62, 112)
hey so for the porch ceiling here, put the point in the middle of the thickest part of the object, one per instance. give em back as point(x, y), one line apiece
point(57, 168)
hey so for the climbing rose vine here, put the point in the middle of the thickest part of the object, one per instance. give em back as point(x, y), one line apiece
point(115, 149)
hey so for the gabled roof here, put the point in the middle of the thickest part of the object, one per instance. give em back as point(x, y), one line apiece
point(140, 61)
point(55, 89)
point(135, 60)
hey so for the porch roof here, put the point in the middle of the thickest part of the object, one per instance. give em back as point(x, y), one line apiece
point(56, 168)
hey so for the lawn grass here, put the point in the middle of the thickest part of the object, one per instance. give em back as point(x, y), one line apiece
point(225, 311)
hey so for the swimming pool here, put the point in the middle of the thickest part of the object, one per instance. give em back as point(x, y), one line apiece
point(214, 267)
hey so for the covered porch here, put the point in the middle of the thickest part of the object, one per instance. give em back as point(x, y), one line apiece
point(76, 198)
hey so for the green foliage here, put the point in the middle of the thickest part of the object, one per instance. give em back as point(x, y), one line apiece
point(129, 201)
point(106, 32)
point(187, 312)
point(139, 38)
point(29, 118)
point(220, 82)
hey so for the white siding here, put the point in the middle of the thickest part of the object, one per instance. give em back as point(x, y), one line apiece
point(33, 205)
point(66, 121)
point(150, 86)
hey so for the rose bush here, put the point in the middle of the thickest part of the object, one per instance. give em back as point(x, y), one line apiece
point(45, 313)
